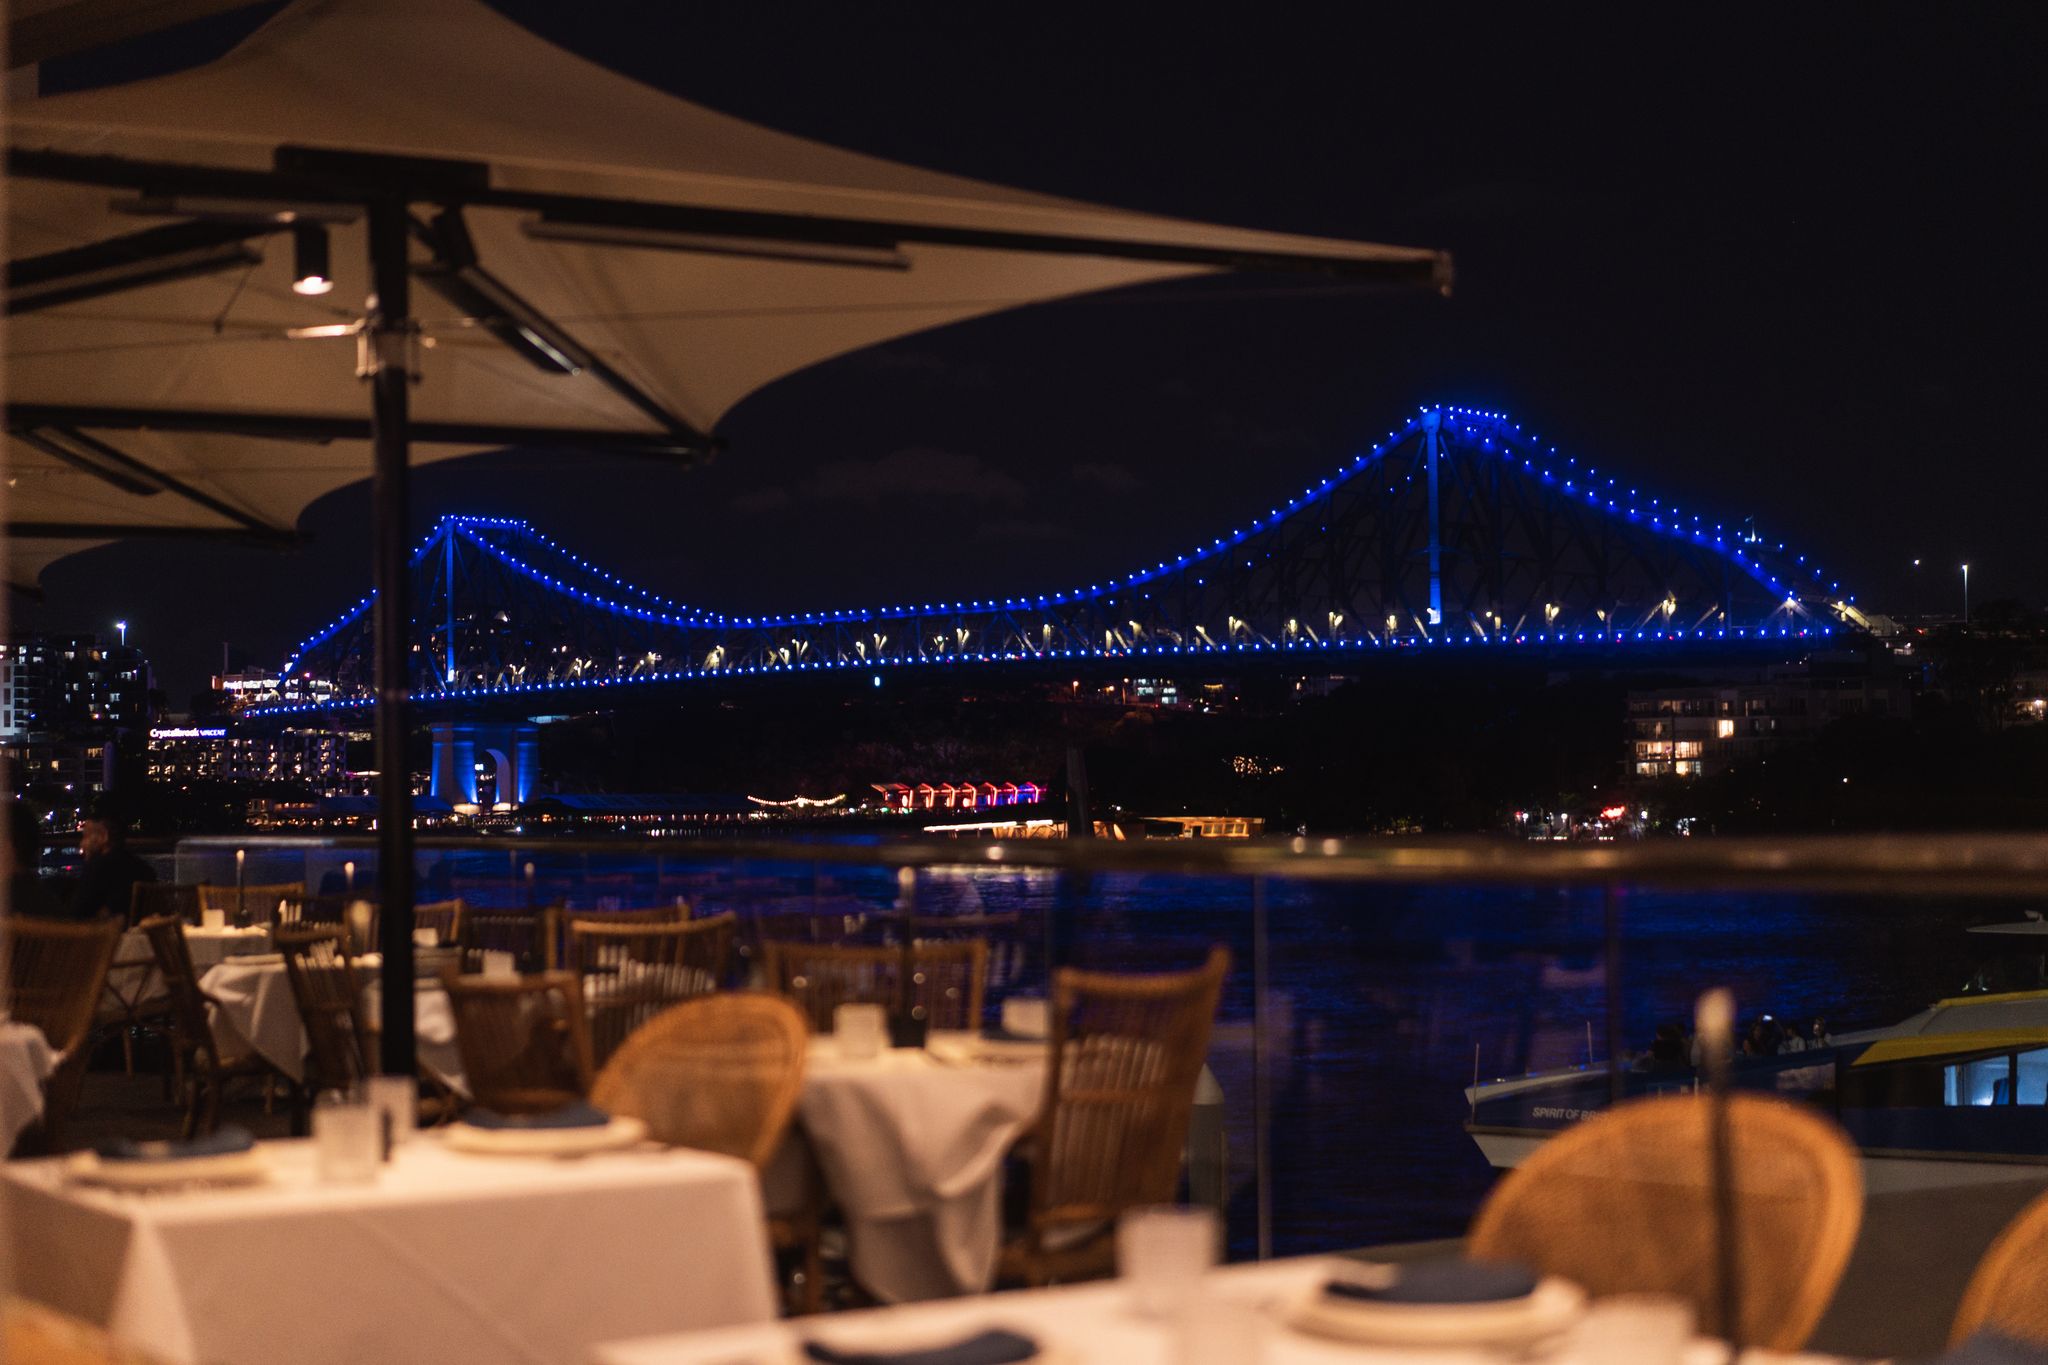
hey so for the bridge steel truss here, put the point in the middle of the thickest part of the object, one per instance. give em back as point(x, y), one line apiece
point(1458, 530)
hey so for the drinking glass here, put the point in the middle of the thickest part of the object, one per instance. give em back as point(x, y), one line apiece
point(1027, 1016)
point(1632, 1329)
point(348, 1139)
point(213, 919)
point(861, 1030)
point(1163, 1253)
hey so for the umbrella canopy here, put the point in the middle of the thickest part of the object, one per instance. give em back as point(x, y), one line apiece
point(596, 264)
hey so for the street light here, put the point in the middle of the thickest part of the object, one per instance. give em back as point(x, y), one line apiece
point(122, 626)
point(1966, 594)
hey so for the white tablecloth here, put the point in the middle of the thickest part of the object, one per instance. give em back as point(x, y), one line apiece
point(447, 1258)
point(256, 1012)
point(25, 1063)
point(133, 977)
point(1090, 1324)
point(912, 1150)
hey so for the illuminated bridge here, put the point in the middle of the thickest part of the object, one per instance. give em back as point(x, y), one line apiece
point(1459, 532)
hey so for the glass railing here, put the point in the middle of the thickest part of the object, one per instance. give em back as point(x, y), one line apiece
point(1403, 1018)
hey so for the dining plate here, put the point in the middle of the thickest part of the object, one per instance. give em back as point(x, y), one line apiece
point(967, 1049)
point(888, 1339)
point(229, 1168)
point(1550, 1308)
point(620, 1132)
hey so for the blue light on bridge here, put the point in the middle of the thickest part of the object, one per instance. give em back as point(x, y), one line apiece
point(537, 559)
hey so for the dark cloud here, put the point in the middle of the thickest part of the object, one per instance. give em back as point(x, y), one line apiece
point(761, 500)
point(1025, 529)
point(1107, 476)
point(916, 472)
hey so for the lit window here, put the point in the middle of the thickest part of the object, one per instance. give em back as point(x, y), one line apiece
point(1724, 729)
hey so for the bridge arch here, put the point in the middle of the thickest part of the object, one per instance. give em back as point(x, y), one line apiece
point(1459, 530)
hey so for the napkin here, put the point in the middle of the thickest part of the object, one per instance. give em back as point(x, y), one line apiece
point(1989, 1347)
point(226, 1142)
point(577, 1115)
point(994, 1347)
point(1449, 1281)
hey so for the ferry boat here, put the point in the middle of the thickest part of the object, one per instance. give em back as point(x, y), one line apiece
point(1955, 1095)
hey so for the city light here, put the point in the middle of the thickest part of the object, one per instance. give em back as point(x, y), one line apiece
point(122, 626)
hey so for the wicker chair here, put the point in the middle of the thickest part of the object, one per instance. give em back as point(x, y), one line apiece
point(524, 1043)
point(631, 972)
point(443, 917)
point(196, 1059)
point(261, 901)
point(946, 979)
point(2008, 1293)
point(528, 935)
point(150, 899)
point(1623, 1203)
point(722, 1074)
point(134, 1001)
point(1127, 1052)
point(323, 980)
point(56, 971)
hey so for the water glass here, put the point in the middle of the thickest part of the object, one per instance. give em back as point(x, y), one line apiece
point(1027, 1016)
point(1162, 1254)
point(1632, 1329)
point(499, 964)
point(348, 1139)
point(213, 919)
point(396, 1100)
point(862, 1030)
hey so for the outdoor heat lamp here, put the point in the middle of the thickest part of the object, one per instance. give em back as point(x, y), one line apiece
point(309, 259)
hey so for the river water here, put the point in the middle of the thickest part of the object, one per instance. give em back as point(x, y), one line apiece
point(1380, 1002)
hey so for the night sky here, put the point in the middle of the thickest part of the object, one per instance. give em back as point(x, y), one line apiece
point(1789, 267)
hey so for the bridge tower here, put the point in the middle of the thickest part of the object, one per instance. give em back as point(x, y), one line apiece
point(1432, 437)
point(512, 749)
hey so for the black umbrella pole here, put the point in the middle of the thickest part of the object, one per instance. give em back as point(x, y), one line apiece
point(390, 347)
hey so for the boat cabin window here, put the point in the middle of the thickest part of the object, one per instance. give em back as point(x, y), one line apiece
point(2020, 1078)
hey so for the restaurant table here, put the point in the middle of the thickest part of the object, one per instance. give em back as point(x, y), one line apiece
point(133, 980)
point(25, 1064)
point(911, 1144)
point(447, 1257)
point(1088, 1324)
point(254, 1011)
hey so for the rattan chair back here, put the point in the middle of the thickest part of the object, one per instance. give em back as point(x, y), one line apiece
point(721, 1074)
point(946, 979)
point(258, 903)
point(1127, 1051)
point(443, 917)
point(524, 1042)
point(2008, 1292)
point(193, 1030)
point(323, 979)
point(1623, 1202)
point(147, 900)
point(529, 936)
point(631, 972)
point(56, 970)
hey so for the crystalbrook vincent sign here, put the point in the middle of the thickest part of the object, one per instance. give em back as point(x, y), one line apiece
point(191, 732)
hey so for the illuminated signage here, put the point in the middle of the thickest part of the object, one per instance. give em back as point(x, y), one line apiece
point(190, 732)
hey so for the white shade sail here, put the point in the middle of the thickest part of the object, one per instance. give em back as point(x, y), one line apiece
point(609, 265)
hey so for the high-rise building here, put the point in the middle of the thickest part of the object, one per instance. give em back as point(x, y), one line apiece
point(71, 684)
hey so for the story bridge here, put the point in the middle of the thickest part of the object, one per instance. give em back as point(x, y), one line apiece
point(1459, 531)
